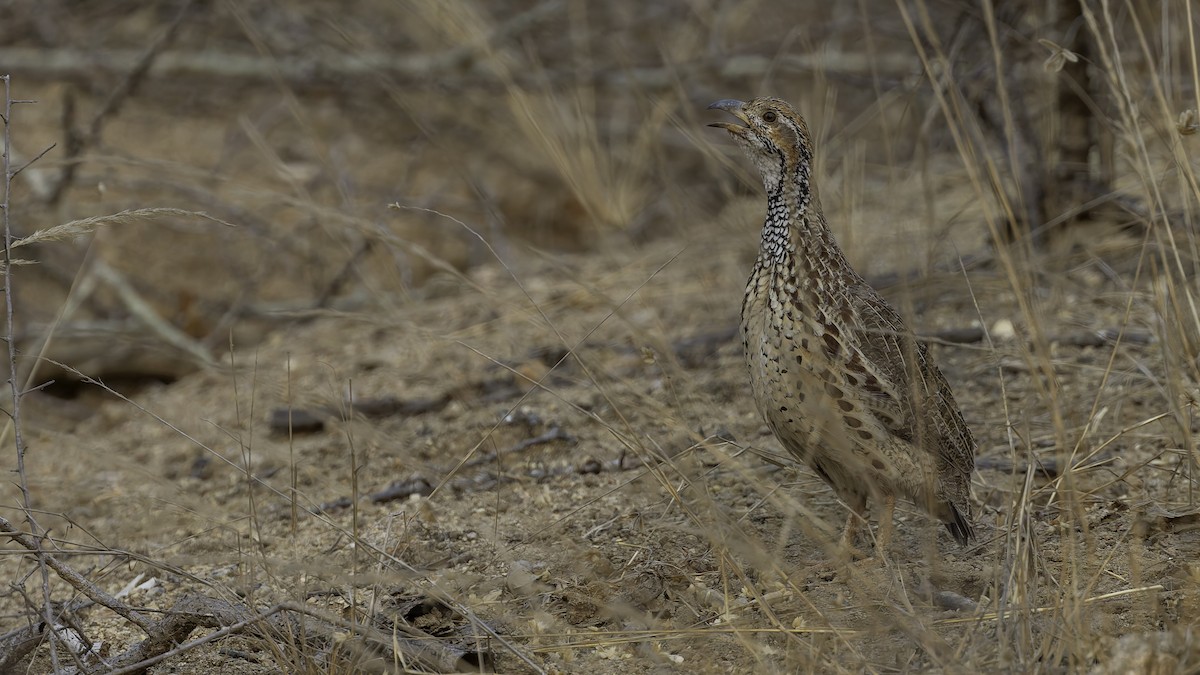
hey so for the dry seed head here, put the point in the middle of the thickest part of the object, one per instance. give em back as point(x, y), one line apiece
point(1188, 122)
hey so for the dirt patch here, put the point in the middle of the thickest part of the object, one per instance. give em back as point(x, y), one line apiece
point(527, 424)
point(650, 531)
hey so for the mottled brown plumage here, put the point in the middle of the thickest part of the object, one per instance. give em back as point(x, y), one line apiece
point(834, 369)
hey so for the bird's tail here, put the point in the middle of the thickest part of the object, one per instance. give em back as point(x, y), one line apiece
point(959, 526)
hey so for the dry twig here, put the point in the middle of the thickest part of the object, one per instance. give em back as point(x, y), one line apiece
point(76, 143)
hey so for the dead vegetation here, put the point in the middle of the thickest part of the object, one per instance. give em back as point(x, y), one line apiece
point(267, 423)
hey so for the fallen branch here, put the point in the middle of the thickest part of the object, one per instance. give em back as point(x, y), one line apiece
point(298, 420)
point(16, 644)
point(554, 434)
point(68, 574)
point(167, 638)
point(408, 644)
point(141, 309)
point(135, 72)
point(1048, 467)
point(305, 71)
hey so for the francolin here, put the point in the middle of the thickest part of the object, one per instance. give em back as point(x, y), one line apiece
point(835, 371)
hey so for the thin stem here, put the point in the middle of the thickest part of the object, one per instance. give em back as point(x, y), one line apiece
point(10, 333)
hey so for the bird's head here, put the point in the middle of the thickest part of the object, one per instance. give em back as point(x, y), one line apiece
point(774, 137)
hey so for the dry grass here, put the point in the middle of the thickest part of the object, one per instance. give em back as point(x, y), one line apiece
point(567, 225)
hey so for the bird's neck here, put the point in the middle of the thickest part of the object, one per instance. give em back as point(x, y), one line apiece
point(797, 248)
point(795, 231)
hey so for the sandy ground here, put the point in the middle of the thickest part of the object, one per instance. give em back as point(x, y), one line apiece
point(582, 483)
point(614, 509)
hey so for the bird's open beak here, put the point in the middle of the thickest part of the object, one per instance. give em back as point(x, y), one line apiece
point(733, 107)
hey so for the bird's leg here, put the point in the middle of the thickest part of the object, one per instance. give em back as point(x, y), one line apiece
point(886, 511)
point(850, 531)
point(858, 514)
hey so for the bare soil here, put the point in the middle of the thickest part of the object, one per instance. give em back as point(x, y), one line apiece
point(588, 476)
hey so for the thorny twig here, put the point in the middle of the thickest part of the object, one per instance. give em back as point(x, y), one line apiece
point(77, 580)
point(10, 338)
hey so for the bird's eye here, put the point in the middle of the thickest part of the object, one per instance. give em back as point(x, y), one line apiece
point(769, 117)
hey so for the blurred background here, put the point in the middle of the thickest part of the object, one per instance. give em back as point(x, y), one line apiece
point(494, 255)
point(551, 126)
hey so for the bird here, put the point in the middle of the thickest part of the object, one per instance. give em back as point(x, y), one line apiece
point(839, 378)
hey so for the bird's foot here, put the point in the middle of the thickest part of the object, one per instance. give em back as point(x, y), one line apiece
point(841, 559)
